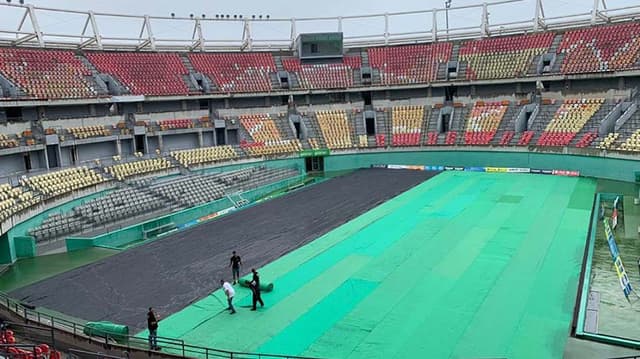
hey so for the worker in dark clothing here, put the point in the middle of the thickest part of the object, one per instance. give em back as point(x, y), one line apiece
point(152, 325)
point(235, 263)
point(255, 289)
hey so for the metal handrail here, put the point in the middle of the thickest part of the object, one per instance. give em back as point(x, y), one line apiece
point(173, 346)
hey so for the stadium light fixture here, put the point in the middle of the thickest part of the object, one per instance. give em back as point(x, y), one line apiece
point(447, 5)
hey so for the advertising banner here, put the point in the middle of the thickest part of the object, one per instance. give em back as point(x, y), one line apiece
point(475, 169)
point(518, 170)
point(496, 169)
point(315, 153)
point(617, 261)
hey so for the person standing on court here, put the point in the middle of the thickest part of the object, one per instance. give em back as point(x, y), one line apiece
point(235, 263)
point(152, 325)
point(255, 289)
point(230, 292)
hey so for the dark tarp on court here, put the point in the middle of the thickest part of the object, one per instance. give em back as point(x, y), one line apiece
point(174, 271)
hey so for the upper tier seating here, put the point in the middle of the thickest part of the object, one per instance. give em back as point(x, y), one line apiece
point(483, 122)
point(335, 129)
point(122, 171)
point(407, 125)
point(143, 73)
point(324, 76)
point(409, 64)
point(46, 74)
point(61, 182)
point(503, 57)
point(568, 120)
point(175, 124)
point(15, 199)
point(601, 48)
point(632, 143)
point(266, 136)
point(237, 72)
point(89, 131)
point(199, 156)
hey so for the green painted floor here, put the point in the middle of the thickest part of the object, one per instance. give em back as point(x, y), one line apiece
point(465, 265)
point(30, 270)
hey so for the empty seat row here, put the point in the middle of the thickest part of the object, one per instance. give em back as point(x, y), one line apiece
point(568, 120)
point(46, 74)
point(336, 129)
point(409, 64)
point(503, 57)
point(62, 182)
point(601, 48)
point(406, 127)
point(483, 122)
point(144, 73)
point(326, 75)
point(199, 156)
point(123, 171)
point(236, 72)
point(89, 131)
point(175, 124)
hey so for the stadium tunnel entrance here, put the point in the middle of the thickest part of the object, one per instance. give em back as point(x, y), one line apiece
point(314, 164)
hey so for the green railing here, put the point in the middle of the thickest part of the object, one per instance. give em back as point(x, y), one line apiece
point(171, 346)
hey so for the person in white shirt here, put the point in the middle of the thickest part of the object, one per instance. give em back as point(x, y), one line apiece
point(228, 290)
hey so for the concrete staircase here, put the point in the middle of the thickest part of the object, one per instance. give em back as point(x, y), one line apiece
point(508, 123)
point(424, 129)
point(383, 126)
point(100, 90)
point(545, 114)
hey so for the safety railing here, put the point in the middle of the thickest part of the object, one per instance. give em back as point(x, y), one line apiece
point(174, 347)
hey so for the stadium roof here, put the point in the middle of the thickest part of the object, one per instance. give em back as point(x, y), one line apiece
point(415, 21)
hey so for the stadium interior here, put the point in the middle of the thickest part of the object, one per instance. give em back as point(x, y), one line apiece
point(108, 151)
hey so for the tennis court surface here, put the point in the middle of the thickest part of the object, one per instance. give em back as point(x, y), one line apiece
point(465, 265)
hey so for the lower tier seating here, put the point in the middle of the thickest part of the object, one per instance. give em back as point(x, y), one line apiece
point(62, 182)
point(199, 156)
point(123, 171)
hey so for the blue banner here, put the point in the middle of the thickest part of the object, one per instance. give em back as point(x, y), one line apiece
point(617, 261)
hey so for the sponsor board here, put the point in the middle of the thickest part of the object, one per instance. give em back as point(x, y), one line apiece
point(565, 173)
point(496, 169)
point(482, 169)
point(315, 153)
point(518, 170)
point(617, 261)
point(475, 169)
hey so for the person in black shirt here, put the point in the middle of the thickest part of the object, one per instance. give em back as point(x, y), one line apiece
point(255, 289)
point(152, 325)
point(235, 263)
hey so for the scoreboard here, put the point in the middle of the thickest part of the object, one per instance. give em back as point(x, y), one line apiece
point(320, 45)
